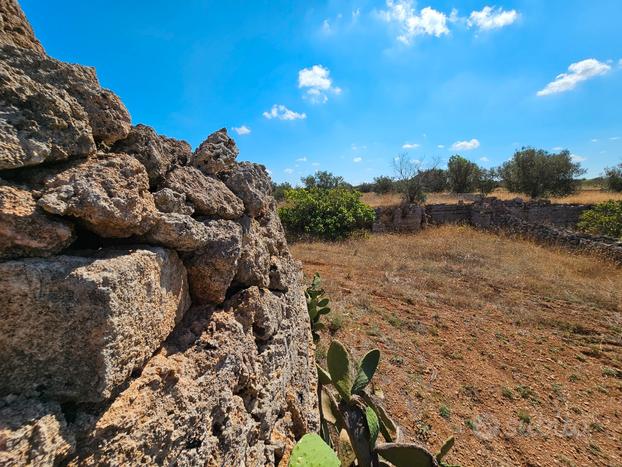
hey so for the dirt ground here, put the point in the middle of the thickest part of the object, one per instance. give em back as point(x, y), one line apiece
point(585, 196)
point(514, 348)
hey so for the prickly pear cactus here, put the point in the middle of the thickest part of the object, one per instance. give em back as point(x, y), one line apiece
point(312, 451)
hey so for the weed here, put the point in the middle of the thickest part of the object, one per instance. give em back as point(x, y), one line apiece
point(612, 372)
point(470, 424)
point(423, 430)
point(557, 389)
point(595, 449)
point(524, 417)
point(597, 427)
point(507, 393)
point(573, 378)
point(444, 411)
point(395, 321)
point(527, 393)
point(336, 322)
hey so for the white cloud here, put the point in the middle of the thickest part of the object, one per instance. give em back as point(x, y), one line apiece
point(465, 145)
point(302, 159)
point(614, 138)
point(492, 18)
point(557, 148)
point(357, 159)
point(315, 164)
point(576, 158)
point(242, 130)
point(577, 72)
point(280, 112)
point(414, 23)
point(484, 159)
point(441, 146)
point(326, 26)
point(288, 171)
point(410, 145)
point(620, 62)
point(318, 83)
point(594, 140)
point(357, 148)
point(356, 13)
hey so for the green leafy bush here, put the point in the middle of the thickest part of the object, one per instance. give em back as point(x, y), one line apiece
point(537, 173)
point(603, 219)
point(613, 178)
point(327, 214)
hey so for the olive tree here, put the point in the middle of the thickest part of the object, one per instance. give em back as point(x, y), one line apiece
point(539, 174)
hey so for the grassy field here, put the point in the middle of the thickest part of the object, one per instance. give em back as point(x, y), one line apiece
point(514, 348)
point(586, 196)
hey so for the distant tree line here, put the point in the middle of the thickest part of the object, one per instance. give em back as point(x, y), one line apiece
point(533, 172)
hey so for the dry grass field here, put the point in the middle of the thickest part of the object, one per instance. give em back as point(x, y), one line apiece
point(512, 347)
point(586, 196)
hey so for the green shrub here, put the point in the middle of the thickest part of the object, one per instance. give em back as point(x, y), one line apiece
point(538, 173)
point(603, 219)
point(327, 214)
point(461, 174)
point(613, 178)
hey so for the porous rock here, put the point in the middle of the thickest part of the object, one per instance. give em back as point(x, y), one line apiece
point(15, 29)
point(157, 153)
point(95, 338)
point(38, 122)
point(181, 232)
point(251, 183)
point(25, 229)
point(109, 195)
point(216, 154)
point(211, 269)
point(263, 242)
point(74, 328)
point(50, 110)
point(33, 433)
point(233, 387)
point(208, 195)
point(167, 200)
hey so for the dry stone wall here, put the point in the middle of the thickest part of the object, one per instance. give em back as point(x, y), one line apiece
point(150, 310)
point(541, 220)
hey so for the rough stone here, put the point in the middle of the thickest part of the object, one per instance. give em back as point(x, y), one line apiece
point(38, 122)
point(33, 433)
point(15, 29)
point(216, 154)
point(263, 242)
point(109, 195)
point(169, 201)
point(101, 365)
point(157, 153)
point(25, 229)
point(74, 328)
point(211, 270)
point(251, 183)
point(209, 196)
point(180, 232)
point(230, 387)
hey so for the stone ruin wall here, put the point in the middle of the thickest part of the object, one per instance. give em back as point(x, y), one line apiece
point(540, 220)
point(150, 310)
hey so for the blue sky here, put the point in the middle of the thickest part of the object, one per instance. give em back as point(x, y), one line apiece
point(346, 85)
